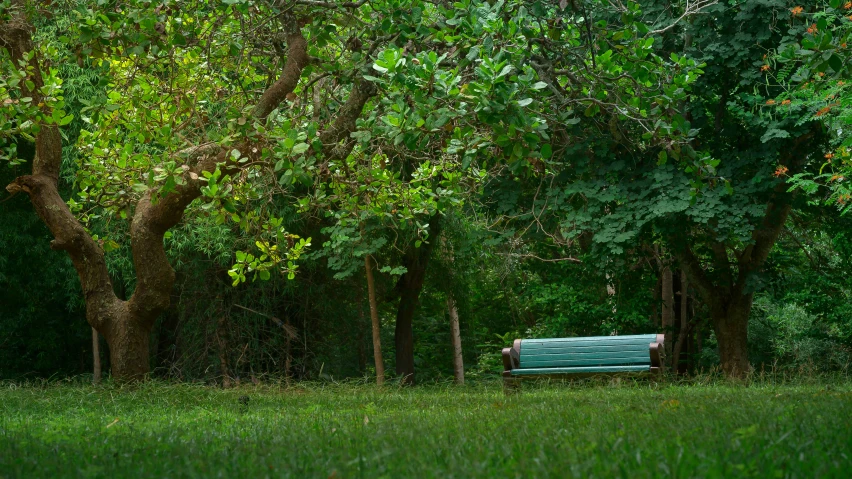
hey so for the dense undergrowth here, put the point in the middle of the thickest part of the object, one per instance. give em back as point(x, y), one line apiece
point(769, 426)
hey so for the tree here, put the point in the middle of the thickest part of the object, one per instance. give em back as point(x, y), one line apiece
point(166, 159)
point(700, 178)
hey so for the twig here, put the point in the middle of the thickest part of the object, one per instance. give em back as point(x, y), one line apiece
point(290, 330)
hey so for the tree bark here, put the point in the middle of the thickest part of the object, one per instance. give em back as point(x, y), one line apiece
point(222, 340)
point(668, 307)
point(731, 327)
point(360, 338)
point(127, 337)
point(96, 357)
point(288, 352)
point(455, 333)
point(684, 322)
point(374, 319)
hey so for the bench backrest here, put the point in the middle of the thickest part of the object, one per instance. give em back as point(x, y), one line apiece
point(588, 351)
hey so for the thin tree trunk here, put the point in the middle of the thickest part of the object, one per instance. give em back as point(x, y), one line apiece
point(655, 305)
point(668, 308)
point(458, 359)
point(374, 318)
point(96, 357)
point(359, 336)
point(222, 340)
point(288, 351)
point(684, 322)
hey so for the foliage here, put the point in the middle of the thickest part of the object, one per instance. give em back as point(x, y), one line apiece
point(795, 337)
point(817, 77)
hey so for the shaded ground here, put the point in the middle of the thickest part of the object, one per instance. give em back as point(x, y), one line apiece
point(592, 430)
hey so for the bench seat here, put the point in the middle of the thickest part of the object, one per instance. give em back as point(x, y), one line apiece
point(585, 356)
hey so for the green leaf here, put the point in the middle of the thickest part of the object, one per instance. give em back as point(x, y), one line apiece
point(836, 63)
point(300, 148)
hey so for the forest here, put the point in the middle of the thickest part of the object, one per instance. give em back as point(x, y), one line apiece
point(227, 191)
point(325, 219)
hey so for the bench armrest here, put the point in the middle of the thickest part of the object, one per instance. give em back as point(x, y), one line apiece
point(658, 354)
point(511, 358)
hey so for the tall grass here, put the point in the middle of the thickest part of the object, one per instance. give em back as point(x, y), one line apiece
point(608, 428)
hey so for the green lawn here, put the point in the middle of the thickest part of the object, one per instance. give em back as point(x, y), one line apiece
point(593, 430)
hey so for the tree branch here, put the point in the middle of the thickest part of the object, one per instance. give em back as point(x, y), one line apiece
point(691, 265)
point(42, 188)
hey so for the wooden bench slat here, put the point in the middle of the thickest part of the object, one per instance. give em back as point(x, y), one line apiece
point(536, 349)
point(585, 344)
point(634, 337)
point(594, 369)
point(586, 352)
point(565, 360)
point(555, 360)
point(586, 362)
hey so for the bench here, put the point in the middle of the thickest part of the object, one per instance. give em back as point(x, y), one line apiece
point(558, 357)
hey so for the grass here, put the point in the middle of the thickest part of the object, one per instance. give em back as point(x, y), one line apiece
point(596, 429)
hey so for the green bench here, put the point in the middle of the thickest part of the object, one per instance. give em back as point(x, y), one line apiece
point(558, 357)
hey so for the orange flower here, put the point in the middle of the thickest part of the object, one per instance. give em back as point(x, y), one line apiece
point(836, 178)
point(770, 102)
point(849, 17)
point(785, 102)
point(797, 10)
point(764, 68)
point(847, 5)
point(823, 111)
point(781, 170)
point(829, 156)
point(813, 29)
point(842, 199)
point(841, 83)
point(822, 74)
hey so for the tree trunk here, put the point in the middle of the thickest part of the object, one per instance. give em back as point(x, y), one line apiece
point(684, 322)
point(360, 337)
point(96, 357)
point(222, 340)
point(655, 305)
point(458, 359)
point(668, 307)
point(288, 351)
point(404, 334)
point(128, 347)
point(731, 327)
point(409, 286)
point(374, 319)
